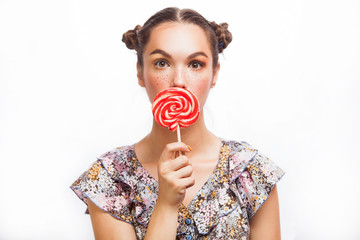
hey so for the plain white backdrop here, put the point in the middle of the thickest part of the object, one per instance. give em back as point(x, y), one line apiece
point(288, 85)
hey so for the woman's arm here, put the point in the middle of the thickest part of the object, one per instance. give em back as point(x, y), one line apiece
point(106, 227)
point(265, 224)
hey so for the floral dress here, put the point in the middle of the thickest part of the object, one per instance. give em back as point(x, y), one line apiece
point(241, 182)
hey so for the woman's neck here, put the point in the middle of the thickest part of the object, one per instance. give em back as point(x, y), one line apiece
point(197, 136)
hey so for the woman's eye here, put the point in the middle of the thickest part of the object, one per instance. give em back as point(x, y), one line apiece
point(161, 64)
point(196, 65)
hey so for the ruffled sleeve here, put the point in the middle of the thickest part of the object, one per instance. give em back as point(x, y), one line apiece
point(106, 192)
point(256, 175)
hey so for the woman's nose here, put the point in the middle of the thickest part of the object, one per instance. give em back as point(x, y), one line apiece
point(179, 79)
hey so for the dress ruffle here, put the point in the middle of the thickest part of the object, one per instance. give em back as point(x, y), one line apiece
point(254, 176)
point(113, 183)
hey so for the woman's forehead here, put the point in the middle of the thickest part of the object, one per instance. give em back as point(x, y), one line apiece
point(178, 38)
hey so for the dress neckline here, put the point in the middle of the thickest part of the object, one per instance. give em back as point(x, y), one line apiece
point(203, 187)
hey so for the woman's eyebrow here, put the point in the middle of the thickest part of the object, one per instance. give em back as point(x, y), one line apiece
point(167, 55)
point(197, 54)
point(162, 52)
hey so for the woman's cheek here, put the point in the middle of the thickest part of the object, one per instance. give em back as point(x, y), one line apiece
point(161, 79)
point(200, 86)
point(156, 83)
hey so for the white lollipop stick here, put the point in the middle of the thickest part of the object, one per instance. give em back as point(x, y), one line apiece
point(178, 136)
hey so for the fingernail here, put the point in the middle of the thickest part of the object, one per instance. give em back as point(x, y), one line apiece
point(189, 147)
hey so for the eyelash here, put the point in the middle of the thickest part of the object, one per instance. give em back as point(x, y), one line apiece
point(159, 61)
point(163, 61)
point(196, 62)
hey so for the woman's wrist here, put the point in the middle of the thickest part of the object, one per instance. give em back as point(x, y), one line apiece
point(163, 222)
point(163, 205)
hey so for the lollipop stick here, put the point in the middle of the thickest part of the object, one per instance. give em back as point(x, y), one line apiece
point(178, 136)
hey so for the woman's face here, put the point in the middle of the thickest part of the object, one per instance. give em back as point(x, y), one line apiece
point(178, 55)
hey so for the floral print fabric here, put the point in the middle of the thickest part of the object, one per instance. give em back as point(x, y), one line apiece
point(222, 209)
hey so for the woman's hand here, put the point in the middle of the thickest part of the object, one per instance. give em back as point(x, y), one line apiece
point(174, 175)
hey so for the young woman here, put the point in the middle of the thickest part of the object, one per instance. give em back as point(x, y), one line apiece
point(217, 189)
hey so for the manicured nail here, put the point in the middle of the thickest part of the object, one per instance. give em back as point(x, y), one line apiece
point(189, 147)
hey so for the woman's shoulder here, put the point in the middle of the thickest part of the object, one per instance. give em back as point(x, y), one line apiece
point(240, 152)
point(237, 145)
point(241, 149)
point(119, 156)
point(113, 166)
point(244, 157)
point(119, 160)
point(117, 153)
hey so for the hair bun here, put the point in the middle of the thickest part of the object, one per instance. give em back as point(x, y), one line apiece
point(223, 35)
point(130, 38)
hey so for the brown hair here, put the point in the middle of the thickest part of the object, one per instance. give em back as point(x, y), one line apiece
point(218, 34)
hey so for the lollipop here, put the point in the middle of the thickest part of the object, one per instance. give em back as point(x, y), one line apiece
point(175, 107)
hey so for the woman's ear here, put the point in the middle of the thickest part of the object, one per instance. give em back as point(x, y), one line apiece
point(216, 74)
point(140, 75)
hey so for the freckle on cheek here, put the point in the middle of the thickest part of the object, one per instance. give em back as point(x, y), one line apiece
point(192, 77)
point(162, 78)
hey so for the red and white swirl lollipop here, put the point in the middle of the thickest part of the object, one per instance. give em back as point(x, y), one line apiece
point(176, 107)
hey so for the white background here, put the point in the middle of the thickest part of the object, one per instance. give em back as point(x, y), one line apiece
point(289, 86)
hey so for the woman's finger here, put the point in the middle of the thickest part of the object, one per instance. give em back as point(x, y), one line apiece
point(172, 148)
point(184, 172)
point(179, 162)
point(187, 182)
